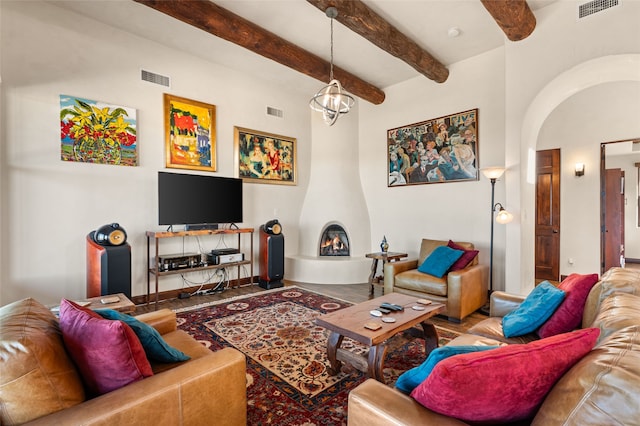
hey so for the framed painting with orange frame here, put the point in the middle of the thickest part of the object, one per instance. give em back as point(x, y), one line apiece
point(190, 134)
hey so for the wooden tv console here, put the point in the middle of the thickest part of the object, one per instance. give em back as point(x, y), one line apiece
point(153, 262)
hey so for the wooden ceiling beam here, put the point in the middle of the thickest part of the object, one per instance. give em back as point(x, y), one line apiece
point(359, 18)
point(209, 17)
point(514, 17)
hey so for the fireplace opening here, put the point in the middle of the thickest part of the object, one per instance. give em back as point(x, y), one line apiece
point(334, 241)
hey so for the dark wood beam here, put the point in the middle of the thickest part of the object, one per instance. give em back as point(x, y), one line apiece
point(358, 17)
point(514, 17)
point(209, 17)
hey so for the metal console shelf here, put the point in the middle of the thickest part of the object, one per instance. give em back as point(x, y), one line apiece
point(157, 236)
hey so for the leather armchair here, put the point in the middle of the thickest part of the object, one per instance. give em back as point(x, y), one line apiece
point(462, 292)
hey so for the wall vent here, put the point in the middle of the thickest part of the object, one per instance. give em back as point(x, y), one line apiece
point(595, 6)
point(275, 112)
point(154, 78)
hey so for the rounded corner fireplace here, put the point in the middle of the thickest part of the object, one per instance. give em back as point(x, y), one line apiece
point(334, 241)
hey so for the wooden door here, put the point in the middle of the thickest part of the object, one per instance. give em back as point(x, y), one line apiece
point(613, 218)
point(547, 215)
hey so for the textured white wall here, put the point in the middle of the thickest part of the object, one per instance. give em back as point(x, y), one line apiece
point(561, 58)
point(49, 206)
point(460, 210)
point(579, 125)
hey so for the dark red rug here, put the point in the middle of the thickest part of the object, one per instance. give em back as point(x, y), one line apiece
point(287, 378)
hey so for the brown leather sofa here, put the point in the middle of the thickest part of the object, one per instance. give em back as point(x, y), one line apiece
point(462, 292)
point(39, 385)
point(601, 389)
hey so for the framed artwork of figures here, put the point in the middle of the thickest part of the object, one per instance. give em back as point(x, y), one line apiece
point(437, 150)
point(262, 157)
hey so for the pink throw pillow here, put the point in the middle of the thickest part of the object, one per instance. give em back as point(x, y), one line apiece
point(107, 353)
point(505, 384)
point(466, 258)
point(568, 316)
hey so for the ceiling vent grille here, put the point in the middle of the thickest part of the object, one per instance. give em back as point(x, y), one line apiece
point(275, 112)
point(154, 78)
point(595, 6)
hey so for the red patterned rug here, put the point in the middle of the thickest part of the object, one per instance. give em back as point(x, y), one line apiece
point(287, 378)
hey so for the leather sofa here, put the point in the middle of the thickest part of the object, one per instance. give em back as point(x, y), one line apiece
point(462, 292)
point(601, 389)
point(39, 384)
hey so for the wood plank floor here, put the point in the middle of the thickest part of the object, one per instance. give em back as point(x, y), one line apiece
point(354, 293)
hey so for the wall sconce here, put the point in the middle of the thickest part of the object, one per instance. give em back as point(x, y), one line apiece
point(579, 169)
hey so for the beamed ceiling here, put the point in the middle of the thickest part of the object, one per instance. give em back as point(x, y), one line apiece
point(402, 38)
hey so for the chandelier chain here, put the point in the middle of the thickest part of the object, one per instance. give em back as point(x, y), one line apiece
point(331, 62)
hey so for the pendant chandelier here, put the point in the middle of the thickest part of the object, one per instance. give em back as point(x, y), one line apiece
point(332, 101)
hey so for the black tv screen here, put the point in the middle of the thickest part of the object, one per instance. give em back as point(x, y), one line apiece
point(196, 199)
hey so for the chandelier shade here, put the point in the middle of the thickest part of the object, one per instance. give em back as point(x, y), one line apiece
point(332, 101)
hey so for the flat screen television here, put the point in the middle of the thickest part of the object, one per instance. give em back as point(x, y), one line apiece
point(185, 199)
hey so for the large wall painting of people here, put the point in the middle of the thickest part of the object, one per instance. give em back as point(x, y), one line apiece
point(190, 134)
point(439, 150)
point(264, 157)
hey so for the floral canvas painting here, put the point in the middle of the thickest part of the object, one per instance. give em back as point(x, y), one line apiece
point(97, 132)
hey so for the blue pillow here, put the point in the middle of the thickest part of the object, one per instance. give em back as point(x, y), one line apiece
point(154, 345)
point(410, 379)
point(534, 311)
point(440, 260)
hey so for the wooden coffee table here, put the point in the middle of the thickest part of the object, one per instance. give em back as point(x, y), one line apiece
point(349, 322)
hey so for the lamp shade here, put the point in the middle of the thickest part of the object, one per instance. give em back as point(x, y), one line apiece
point(503, 216)
point(493, 172)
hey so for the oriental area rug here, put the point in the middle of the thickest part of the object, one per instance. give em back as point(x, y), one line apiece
point(287, 378)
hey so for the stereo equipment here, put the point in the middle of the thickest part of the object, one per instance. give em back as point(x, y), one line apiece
point(227, 250)
point(108, 266)
point(220, 259)
point(172, 262)
point(271, 255)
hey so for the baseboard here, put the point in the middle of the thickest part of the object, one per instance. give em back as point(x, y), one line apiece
point(174, 294)
point(631, 260)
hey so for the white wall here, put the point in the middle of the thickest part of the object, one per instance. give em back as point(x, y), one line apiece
point(49, 206)
point(579, 125)
point(460, 210)
point(561, 57)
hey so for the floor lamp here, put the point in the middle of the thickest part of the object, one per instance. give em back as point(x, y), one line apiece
point(503, 217)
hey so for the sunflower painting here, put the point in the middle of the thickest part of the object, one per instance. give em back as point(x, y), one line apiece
point(96, 132)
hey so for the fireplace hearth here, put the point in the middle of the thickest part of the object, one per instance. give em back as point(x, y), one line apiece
point(334, 241)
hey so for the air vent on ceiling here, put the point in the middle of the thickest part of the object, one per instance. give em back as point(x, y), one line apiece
point(275, 112)
point(595, 6)
point(154, 78)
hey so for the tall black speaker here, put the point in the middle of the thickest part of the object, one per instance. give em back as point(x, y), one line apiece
point(108, 262)
point(271, 255)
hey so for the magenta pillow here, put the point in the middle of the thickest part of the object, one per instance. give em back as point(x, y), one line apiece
point(568, 316)
point(466, 258)
point(107, 353)
point(505, 384)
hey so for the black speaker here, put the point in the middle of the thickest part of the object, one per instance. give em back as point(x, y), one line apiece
point(271, 255)
point(110, 235)
point(108, 266)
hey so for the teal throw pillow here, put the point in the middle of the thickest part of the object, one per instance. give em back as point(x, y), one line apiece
point(152, 342)
point(440, 260)
point(534, 311)
point(410, 379)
